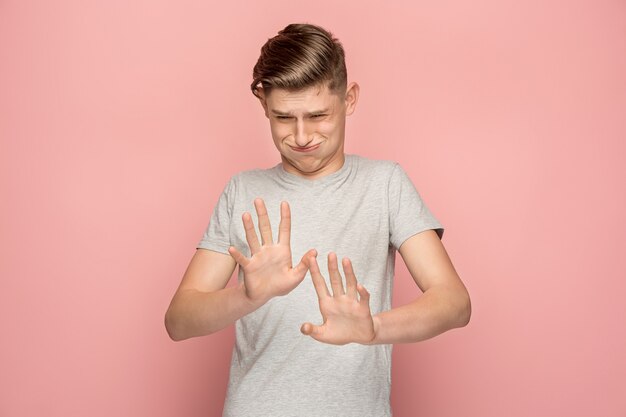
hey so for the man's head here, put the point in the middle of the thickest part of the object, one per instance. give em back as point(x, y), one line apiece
point(300, 79)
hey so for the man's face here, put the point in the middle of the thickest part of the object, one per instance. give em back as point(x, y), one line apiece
point(308, 127)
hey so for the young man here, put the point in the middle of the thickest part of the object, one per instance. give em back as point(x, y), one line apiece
point(316, 346)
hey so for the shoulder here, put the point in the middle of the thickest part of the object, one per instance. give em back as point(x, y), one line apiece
point(254, 174)
point(381, 169)
point(252, 178)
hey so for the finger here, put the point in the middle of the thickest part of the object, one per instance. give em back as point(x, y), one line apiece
point(312, 330)
point(318, 280)
point(303, 266)
point(251, 237)
point(238, 256)
point(284, 228)
point(364, 294)
point(348, 271)
point(264, 222)
point(335, 276)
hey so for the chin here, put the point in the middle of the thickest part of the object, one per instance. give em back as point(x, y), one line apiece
point(304, 164)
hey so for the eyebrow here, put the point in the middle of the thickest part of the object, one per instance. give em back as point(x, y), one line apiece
point(282, 113)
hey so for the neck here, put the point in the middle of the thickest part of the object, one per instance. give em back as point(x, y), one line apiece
point(316, 169)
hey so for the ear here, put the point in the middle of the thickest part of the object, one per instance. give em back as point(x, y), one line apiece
point(262, 98)
point(351, 98)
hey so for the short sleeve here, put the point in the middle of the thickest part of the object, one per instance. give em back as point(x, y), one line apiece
point(408, 214)
point(216, 237)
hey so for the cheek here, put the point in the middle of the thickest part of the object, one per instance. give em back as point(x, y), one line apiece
point(327, 128)
point(279, 131)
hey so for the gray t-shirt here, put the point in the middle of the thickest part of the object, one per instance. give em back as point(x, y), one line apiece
point(363, 211)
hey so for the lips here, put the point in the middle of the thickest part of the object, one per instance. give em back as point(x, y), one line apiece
point(305, 149)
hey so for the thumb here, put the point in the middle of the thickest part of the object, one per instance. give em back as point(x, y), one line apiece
point(312, 330)
point(364, 294)
point(303, 266)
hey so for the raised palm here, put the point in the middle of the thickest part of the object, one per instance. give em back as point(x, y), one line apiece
point(269, 272)
point(346, 314)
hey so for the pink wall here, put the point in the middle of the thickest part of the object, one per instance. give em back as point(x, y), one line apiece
point(121, 123)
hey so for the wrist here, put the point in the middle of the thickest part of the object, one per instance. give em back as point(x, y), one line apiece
point(250, 303)
point(376, 326)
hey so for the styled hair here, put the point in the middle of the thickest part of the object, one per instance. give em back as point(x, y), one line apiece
point(300, 56)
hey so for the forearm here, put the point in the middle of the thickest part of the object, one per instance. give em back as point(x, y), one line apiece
point(437, 310)
point(193, 313)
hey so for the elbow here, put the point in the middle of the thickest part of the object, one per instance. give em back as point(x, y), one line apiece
point(173, 330)
point(463, 309)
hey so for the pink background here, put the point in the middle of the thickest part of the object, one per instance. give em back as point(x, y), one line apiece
point(120, 124)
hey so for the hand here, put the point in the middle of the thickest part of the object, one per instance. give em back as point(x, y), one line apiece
point(347, 317)
point(268, 272)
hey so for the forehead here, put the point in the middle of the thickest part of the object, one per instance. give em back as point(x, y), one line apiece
point(283, 100)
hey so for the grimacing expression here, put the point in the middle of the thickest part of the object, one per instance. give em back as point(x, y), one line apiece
point(308, 127)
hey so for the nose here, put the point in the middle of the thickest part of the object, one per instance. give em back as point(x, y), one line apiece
point(301, 136)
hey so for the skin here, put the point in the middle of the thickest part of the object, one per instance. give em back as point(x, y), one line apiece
point(307, 118)
point(308, 130)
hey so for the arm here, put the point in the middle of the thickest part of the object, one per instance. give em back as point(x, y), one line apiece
point(202, 305)
point(444, 305)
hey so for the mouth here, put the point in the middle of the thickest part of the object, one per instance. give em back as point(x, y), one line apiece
point(306, 148)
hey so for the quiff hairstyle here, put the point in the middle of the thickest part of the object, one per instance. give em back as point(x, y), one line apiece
point(300, 56)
